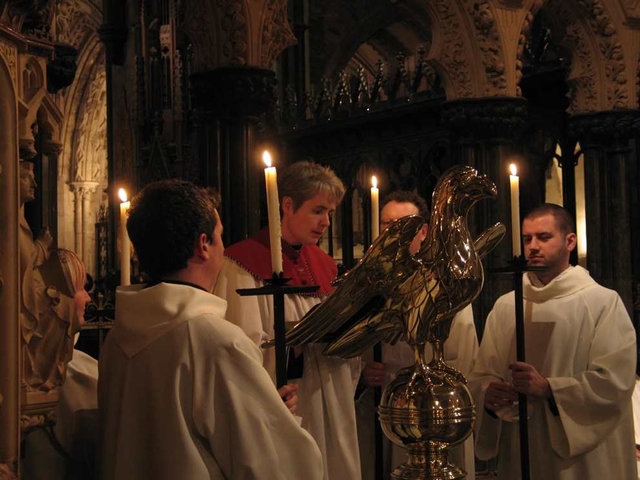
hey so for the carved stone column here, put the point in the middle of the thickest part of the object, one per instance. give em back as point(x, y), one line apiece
point(83, 227)
point(604, 138)
point(483, 132)
point(113, 33)
point(230, 102)
point(235, 46)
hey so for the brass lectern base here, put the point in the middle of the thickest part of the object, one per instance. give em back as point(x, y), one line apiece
point(420, 467)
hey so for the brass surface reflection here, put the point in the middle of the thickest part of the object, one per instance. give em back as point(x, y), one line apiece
point(391, 295)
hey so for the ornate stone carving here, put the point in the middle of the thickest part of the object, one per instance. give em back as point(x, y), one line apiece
point(237, 33)
point(276, 34)
point(74, 22)
point(454, 56)
point(30, 17)
point(90, 140)
point(611, 49)
point(199, 17)
point(488, 41)
point(233, 19)
point(608, 58)
point(10, 55)
point(486, 118)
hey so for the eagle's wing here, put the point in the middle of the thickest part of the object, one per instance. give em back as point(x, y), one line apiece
point(361, 290)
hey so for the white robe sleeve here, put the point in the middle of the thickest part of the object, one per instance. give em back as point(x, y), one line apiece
point(489, 366)
point(238, 411)
point(245, 312)
point(591, 404)
point(461, 347)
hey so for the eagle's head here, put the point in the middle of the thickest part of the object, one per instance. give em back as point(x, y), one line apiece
point(462, 187)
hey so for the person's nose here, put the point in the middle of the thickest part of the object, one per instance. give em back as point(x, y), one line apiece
point(325, 221)
point(533, 245)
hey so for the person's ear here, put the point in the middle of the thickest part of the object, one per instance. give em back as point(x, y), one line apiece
point(571, 241)
point(287, 206)
point(203, 247)
point(423, 232)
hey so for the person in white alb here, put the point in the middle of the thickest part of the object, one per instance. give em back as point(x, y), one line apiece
point(182, 392)
point(579, 372)
point(309, 194)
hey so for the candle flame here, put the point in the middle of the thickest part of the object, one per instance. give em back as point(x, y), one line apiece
point(374, 182)
point(122, 194)
point(266, 158)
point(513, 169)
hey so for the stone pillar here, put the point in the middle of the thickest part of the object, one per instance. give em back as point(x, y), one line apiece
point(604, 138)
point(113, 33)
point(483, 132)
point(84, 228)
point(230, 102)
point(232, 88)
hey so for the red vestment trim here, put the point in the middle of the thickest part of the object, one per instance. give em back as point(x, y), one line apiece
point(306, 266)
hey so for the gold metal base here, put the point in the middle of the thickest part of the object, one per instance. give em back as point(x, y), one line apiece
point(426, 411)
point(432, 465)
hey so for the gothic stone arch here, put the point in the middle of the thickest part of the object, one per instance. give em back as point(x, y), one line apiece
point(593, 31)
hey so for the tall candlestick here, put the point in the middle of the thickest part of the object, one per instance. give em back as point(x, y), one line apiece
point(375, 209)
point(514, 183)
point(125, 249)
point(273, 208)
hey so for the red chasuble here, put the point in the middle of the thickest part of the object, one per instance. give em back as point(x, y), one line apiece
point(306, 266)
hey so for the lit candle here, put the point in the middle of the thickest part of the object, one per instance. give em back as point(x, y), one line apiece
point(375, 209)
point(514, 183)
point(125, 250)
point(273, 208)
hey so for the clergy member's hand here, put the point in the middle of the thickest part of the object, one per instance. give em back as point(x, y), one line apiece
point(499, 395)
point(526, 379)
point(289, 396)
point(373, 374)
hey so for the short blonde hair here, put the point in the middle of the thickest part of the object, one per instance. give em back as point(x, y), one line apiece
point(304, 180)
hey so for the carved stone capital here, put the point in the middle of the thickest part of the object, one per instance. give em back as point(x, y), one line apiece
point(238, 93)
point(27, 148)
point(84, 188)
point(611, 129)
point(52, 148)
point(495, 118)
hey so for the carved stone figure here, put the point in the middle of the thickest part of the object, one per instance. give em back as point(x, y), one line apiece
point(47, 312)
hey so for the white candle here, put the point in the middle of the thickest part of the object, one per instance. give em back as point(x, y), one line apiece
point(375, 209)
point(273, 208)
point(514, 183)
point(125, 249)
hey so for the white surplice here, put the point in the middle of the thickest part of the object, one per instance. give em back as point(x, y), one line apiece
point(579, 336)
point(327, 387)
point(183, 394)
